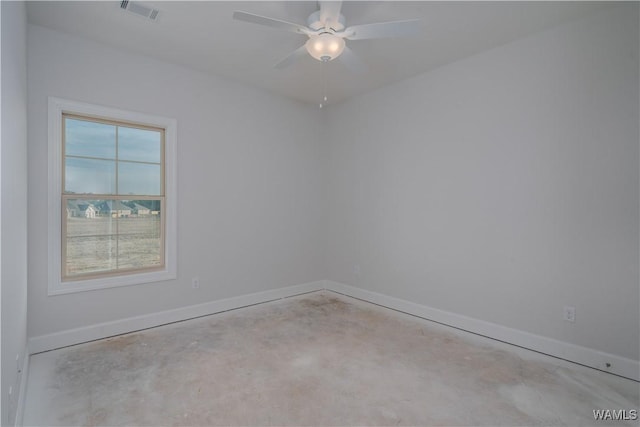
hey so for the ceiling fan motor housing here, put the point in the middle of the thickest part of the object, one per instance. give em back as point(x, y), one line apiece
point(314, 22)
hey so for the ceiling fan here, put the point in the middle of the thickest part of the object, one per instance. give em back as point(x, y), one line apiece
point(327, 31)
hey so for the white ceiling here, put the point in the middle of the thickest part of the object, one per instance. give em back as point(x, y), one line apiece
point(203, 35)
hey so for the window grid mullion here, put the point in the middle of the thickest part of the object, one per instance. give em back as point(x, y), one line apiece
point(117, 201)
point(108, 160)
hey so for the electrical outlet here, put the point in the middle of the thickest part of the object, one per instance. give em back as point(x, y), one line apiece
point(569, 314)
point(195, 282)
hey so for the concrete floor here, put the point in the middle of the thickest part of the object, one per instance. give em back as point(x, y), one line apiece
point(315, 359)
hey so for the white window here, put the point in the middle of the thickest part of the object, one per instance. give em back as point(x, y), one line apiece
point(112, 192)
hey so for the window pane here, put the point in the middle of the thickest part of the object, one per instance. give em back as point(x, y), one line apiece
point(138, 179)
point(91, 237)
point(90, 254)
point(140, 145)
point(90, 139)
point(88, 176)
point(111, 235)
point(139, 237)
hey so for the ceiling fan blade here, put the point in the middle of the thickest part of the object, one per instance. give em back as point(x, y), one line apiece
point(329, 11)
point(382, 30)
point(269, 22)
point(292, 57)
point(352, 62)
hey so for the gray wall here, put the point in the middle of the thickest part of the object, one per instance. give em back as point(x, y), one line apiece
point(249, 174)
point(13, 177)
point(502, 186)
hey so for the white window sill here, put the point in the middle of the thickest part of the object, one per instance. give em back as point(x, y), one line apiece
point(110, 282)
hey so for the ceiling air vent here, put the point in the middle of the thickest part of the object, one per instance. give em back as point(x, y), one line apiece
point(140, 9)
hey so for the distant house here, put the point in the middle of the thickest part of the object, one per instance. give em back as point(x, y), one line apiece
point(141, 210)
point(119, 209)
point(90, 212)
point(115, 208)
point(77, 209)
point(72, 209)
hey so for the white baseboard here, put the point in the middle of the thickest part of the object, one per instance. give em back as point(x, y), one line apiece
point(621, 366)
point(617, 365)
point(23, 388)
point(108, 329)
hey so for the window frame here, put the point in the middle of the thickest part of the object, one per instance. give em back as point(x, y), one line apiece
point(56, 284)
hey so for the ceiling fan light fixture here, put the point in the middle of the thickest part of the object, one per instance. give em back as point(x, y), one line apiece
point(325, 47)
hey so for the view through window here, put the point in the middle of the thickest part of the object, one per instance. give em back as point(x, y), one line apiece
point(112, 199)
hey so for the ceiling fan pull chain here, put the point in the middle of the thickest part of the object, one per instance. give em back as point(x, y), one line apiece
point(324, 83)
